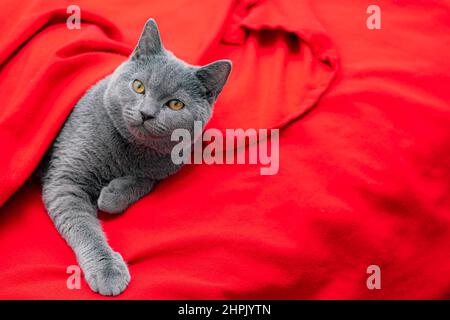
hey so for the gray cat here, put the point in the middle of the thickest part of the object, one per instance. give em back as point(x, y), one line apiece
point(116, 145)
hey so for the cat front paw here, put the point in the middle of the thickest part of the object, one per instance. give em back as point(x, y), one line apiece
point(112, 199)
point(110, 277)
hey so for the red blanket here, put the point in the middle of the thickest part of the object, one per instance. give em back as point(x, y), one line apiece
point(364, 175)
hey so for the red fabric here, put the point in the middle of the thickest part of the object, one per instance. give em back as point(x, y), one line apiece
point(364, 161)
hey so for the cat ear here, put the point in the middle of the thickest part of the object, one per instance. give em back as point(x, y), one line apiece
point(214, 76)
point(149, 42)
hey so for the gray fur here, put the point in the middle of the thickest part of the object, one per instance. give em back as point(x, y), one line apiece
point(106, 156)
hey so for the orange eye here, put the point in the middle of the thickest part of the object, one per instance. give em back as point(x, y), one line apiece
point(138, 86)
point(175, 104)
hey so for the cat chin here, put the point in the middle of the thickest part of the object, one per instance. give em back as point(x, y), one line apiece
point(142, 137)
point(160, 146)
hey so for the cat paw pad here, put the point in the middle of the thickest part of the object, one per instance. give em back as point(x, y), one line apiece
point(110, 278)
point(111, 201)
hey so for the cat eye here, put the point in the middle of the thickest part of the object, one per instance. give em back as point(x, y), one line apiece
point(138, 86)
point(175, 104)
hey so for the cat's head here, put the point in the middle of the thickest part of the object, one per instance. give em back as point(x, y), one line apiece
point(154, 93)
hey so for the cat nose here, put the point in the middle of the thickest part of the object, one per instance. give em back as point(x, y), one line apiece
point(146, 116)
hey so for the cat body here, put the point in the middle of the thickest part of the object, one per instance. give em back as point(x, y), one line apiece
point(116, 144)
point(94, 153)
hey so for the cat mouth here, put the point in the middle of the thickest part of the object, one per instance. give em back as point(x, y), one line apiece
point(145, 133)
point(155, 136)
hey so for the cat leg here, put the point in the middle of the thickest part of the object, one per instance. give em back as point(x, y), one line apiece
point(75, 216)
point(122, 192)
